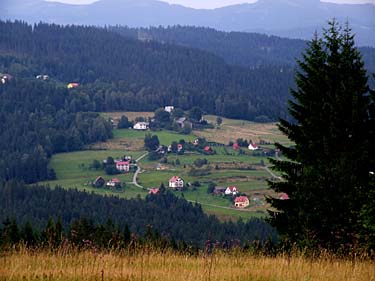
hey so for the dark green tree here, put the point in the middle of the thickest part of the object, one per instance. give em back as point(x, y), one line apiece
point(162, 116)
point(151, 142)
point(327, 174)
point(124, 123)
point(195, 114)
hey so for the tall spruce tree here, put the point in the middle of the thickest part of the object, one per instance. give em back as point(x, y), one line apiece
point(327, 174)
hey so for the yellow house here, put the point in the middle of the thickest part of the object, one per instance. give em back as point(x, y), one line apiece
point(72, 85)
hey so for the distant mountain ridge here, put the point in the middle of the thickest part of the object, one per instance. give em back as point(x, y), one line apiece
point(250, 50)
point(288, 18)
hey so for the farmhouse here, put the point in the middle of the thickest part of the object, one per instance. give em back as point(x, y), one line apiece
point(179, 147)
point(72, 85)
point(141, 126)
point(284, 196)
point(207, 148)
point(181, 122)
point(218, 190)
point(43, 77)
point(4, 78)
point(169, 108)
point(241, 202)
point(153, 191)
point(123, 166)
point(176, 182)
point(115, 182)
point(236, 146)
point(253, 146)
point(231, 190)
point(99, 182)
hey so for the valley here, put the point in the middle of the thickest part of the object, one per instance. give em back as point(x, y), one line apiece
point(227, 167)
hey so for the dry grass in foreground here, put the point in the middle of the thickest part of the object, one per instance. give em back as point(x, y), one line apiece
point(91, 265)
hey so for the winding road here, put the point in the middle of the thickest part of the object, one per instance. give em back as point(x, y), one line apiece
point(135, 176)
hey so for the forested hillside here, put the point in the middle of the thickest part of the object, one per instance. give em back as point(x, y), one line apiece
point(170, 216)
point(38, 119)
point(142, 76)
point(236, 48)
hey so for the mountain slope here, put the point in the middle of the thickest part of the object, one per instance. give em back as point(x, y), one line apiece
point(119, 73)
point(291, 18)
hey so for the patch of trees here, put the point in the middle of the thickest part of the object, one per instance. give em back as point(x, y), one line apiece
point(124, 123)
point(38, 119)
point(167, 214)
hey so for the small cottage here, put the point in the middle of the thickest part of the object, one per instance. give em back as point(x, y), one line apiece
point(72, 85)
point(253, 146)
point(99, 182)
point(141, 126)
point(284, 196)
point(219, 190)
point(241, 202)
point(236, 146)
point(176, 182)
point(169, 108)
point(153, 191)
point(207, 148)
point(231, 190)
point(4, 78)
point(43, 77)
point(115, 182)
point(123, 166)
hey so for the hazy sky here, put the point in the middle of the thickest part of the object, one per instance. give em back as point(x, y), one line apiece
point(210, 4)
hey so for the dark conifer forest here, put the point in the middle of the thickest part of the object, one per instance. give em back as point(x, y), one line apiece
point(138, 76)
point(170, 216)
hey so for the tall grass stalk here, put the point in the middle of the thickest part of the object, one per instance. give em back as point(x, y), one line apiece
point(167, 265)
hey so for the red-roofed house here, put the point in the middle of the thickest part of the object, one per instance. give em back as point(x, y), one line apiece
point(207, 148)
point(231, 190)
point(115, 182)
point(123, 166)
point(72, 85)
point(176, 182)
point(153, 191)
point(236, 146)
point(241, 202)
point(284, 196)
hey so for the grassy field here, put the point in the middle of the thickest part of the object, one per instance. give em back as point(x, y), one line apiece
point(72, 171)
point(165, 137)
point(156, 266)
point(231, 130)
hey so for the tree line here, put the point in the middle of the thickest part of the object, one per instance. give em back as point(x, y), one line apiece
point(168, 215)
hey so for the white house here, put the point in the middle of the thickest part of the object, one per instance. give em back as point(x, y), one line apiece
point(231, 190)
point(123, 166)
point(176, 182)
point(169, 108)
point(43, 77)
point(253, 146)
point(113, 182)
point(141, 126)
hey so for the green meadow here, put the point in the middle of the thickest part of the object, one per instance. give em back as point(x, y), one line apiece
point(225, 168)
